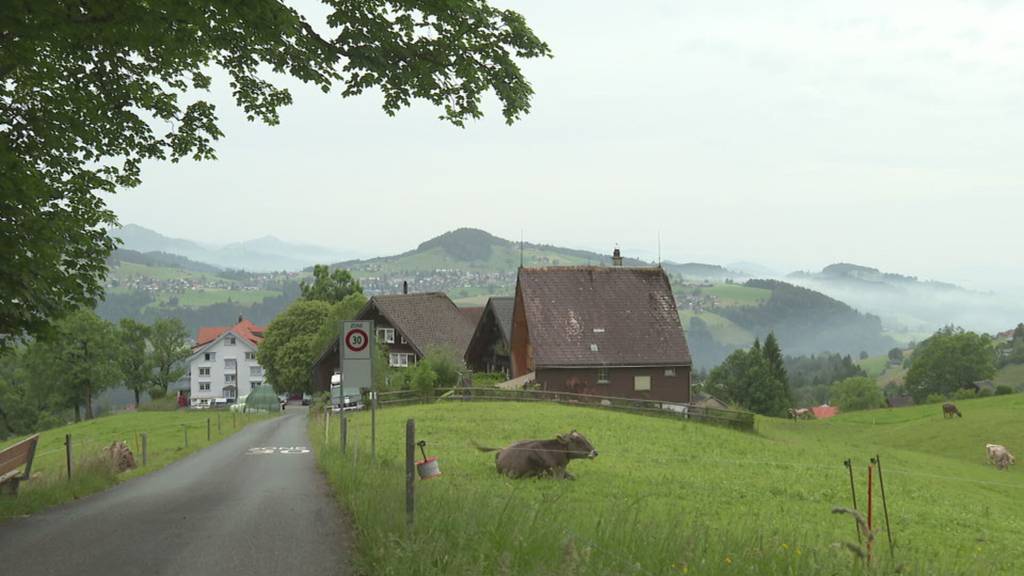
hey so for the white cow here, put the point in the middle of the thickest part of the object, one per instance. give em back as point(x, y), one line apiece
point(999, 455)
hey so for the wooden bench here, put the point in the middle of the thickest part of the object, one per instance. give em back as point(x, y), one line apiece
point(14, 457)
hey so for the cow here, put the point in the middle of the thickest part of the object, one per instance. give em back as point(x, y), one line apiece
point(532, 458)
point(800, 413)
point(949, 410)
point(999, 455)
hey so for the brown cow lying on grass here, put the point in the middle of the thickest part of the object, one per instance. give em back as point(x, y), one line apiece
point(531, 458)
point(999, 456)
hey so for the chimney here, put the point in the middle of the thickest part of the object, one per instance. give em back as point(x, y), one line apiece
point(405, 287)
point(240, 318)
point(616, 257)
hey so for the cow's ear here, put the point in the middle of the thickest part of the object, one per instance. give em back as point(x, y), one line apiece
point(563, 439)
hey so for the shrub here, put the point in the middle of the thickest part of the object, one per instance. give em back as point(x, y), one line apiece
point(857, 393)
point(488, 379)
point(984, 392)
point(1003, 390)
point(965, 394)
point(935, 399)
point(157, 392)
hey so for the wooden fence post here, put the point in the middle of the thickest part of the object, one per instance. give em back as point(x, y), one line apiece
point(218, 423)
point(233, 419)
point(144, 455)
point(344, 433)
point(67, 444)
point(207, 429)
point(410, 472)
point(373, 427)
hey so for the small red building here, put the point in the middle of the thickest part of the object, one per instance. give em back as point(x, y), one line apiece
point(598, 330)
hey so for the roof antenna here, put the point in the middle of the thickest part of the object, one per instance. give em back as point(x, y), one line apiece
point(520, 247)
point(659, 248)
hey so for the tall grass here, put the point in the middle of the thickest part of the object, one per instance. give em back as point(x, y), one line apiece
point(664, 497)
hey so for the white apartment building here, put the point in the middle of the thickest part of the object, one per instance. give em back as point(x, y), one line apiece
point(223, 364)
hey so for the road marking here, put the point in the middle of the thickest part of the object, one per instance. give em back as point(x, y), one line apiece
point(266, 450)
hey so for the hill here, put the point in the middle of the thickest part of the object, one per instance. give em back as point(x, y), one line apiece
point(910, 305)
point(698, 271)
point(264, 254)
point(150, 285)
point(667, 496)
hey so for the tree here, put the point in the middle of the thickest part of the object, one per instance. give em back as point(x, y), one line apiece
point(773, 355)
point(1018, 333)
point(169, 342)
point(288, 349)
point(857, 393)
point(91, 90)
point(330, 287)
point(78, 358)
point(746, 379)
point(949, 360)
point(136, 364)
point(896, 355)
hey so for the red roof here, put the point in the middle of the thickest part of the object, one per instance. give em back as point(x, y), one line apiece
point(823, 412)
point(245, 328)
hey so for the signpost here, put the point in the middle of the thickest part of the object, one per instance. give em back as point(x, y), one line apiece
point(357, 367)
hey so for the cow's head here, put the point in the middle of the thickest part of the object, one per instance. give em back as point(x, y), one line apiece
point(577, 446)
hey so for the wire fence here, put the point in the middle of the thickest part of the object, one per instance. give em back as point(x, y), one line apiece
point(728, 418)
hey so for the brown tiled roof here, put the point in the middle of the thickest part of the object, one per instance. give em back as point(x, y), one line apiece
point(598, 316)
point(428, 320)
point(472, 314)
point(502, 307)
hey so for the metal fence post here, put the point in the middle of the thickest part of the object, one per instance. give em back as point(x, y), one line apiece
point(144, 455)
point(344, 433)
point(218, 423)
point(67, 444)
point(410, 471)
point(207, 429)
point(373, 426)
point(233, 420)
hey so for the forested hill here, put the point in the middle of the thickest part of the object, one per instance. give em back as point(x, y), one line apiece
point(805, 322)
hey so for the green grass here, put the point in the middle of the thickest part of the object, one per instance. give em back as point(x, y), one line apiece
point(874, 365)
point(723, 330)
point(1011, 375)
point(672, 497)
point(738, 295)
point(165, 444)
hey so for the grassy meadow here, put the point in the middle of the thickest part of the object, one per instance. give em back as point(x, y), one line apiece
point(165, 432)
point(667, 496)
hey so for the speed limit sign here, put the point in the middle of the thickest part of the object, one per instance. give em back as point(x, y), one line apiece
point(356, 340)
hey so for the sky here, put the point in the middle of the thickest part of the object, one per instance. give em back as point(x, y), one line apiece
point(789, 134)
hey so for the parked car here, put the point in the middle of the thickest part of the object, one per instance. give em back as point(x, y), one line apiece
point(306, 399)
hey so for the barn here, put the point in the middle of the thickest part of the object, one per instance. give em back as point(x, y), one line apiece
point(609, 331)
point(488, 350)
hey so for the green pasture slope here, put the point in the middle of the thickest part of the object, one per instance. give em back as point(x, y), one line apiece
point(673, 497)
point(165, 443)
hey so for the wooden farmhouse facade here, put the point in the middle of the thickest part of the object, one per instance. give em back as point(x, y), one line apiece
point(490, 348)
point(609, 331)
point(409, 326)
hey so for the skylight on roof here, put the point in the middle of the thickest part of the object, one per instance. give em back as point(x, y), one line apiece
point(593, 347)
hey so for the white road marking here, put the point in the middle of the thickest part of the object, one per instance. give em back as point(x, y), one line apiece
point(266, 450)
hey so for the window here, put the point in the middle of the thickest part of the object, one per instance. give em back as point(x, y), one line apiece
point(386, 335)
point(204, 386)
point(204, 371)
point(230, 364)
point(603, 377)
point(404, 341)
point(670, 371)
point(255, 383)
point(229, 341)
point(641, 383)
point(250, 355)
point(399, 360)
point(229, 378)
point(209, 356)
point(255, 370)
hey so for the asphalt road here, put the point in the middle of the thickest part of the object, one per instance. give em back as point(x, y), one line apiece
point(227, 510)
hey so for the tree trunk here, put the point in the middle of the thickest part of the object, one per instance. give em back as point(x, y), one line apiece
point(136, 398)
point(88, 402)
point(78, 412)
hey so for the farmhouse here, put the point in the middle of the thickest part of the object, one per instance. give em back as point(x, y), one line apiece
point(596, 330)
point(409, 326)
point(223, 364)
point(489, 348)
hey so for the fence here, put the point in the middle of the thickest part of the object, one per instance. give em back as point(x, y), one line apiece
point(729, 418)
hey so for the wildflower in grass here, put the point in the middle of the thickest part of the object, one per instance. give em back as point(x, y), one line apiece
point(728, 560)
point(785, 546)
